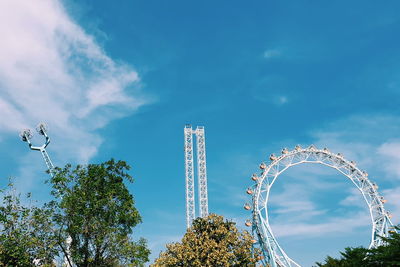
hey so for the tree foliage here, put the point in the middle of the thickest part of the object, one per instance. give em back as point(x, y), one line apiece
point(93, 208)
point(26, 233)
point(382, 256)
point(97, 212)
point(388, 255)
point(210, 242)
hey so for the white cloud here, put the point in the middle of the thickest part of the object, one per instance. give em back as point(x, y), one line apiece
point(296, 210)
point(391, 152)
point(294, 201)
point(335, 225)
point(52, 70)
point(368, 140)
point(280, 100)
point(393, 205)
point(371, 141)
point(277, 100)
point(307, 220)
point(354, 199)
point(271, 53)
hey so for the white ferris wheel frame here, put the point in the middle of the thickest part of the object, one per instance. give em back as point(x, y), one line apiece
point(272, 254)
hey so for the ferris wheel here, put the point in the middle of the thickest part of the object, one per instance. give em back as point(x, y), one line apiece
point(271, 253)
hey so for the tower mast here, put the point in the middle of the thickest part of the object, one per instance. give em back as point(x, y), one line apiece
point(201, 173)
point(189, 174)
point(202, 170)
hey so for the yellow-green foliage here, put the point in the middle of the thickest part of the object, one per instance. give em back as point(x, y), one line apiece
point(210, 242)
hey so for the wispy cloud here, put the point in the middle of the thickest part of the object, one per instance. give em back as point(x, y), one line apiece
point(271, 53)
point(372, 142)
point(335, 225)
point(273, 89)
point(52, 70)
point(393, 205)
point(281, 100)
point(277, 100)
point(354, 199)
point(295, 212)
point(369, 140)
point(391, 152)
point(294, 201)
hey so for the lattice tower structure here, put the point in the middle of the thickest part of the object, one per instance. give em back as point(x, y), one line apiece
point(202, 170)
point(201, 173)
point(189, 175)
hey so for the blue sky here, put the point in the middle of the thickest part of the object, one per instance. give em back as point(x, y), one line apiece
point(122, 79)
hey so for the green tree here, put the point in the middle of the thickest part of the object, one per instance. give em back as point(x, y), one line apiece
point(209, 242)
point(97, 212)
point(351, 257)
point(382, 256)
point(330, 262)
point(26, 233)
point(388, 255)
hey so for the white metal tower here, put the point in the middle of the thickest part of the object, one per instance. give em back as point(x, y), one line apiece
point(202, 170)
point(201, 173)
point(189, 174)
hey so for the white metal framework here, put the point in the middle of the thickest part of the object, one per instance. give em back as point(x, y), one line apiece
point(201, 173)
point(189, 174)
point(272, 254)
point(202, 170)
point(26, 135)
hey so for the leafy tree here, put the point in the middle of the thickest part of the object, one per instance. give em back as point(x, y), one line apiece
point(210, 242)
point(97, 212)
point(331, 262)
point(388, 255)
point(25, 233)
point(351, 257)
point(382, 256)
